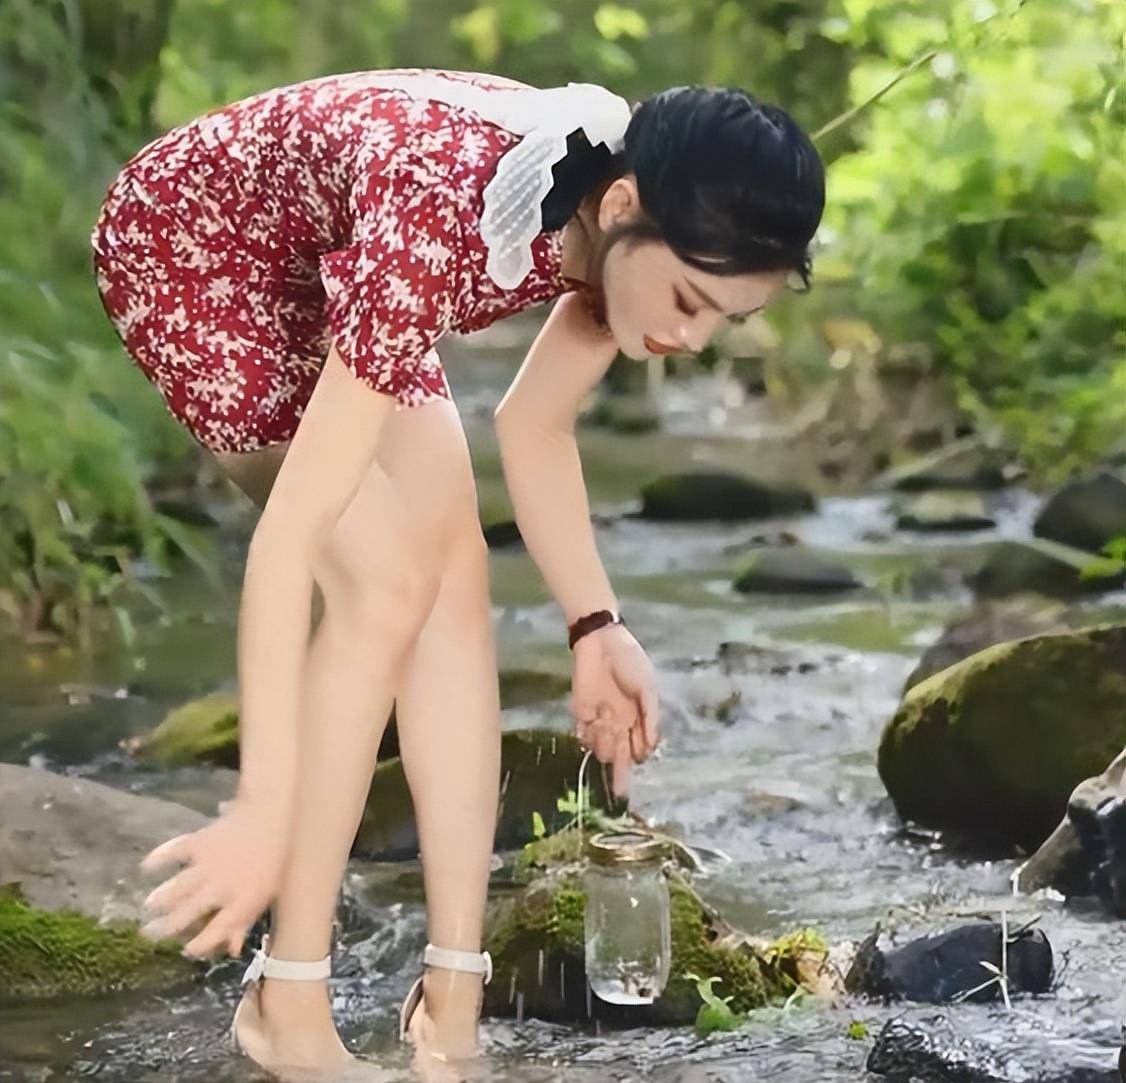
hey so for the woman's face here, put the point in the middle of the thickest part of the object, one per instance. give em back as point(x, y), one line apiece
point(654, 299)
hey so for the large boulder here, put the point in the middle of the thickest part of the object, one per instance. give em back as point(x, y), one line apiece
point(1086, 513)
point(71, 888)
point(996, 743)
point(718, 495)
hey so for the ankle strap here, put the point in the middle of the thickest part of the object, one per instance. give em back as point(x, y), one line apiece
point(472, 962)
point(266, 966)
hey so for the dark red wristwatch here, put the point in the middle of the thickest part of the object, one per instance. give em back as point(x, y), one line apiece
point(590, 622)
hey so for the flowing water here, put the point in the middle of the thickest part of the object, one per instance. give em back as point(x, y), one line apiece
point(782, 780)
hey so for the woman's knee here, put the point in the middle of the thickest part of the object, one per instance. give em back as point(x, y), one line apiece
point(373, 592)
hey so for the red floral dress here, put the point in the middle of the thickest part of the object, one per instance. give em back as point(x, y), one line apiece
point(233, 250)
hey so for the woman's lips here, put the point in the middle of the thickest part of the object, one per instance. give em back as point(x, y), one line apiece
point(656, 347)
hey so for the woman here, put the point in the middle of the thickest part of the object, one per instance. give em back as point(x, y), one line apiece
point(280, 269)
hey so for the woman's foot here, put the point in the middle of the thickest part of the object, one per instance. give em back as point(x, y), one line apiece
point(444, 1027)
point(287, 1028)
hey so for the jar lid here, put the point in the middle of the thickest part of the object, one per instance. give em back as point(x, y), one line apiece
point(626, 847)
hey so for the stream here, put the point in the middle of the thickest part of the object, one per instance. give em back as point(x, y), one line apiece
point(784, 782)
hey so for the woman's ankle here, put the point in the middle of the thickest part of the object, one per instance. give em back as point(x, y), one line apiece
point(453, 1003)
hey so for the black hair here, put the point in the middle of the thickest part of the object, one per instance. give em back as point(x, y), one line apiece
point(733, 185)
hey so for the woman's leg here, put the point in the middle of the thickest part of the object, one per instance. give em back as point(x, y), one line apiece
point(448, 712)
point(379, 575)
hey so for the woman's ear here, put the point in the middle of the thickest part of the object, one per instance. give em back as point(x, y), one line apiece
point(620, 202)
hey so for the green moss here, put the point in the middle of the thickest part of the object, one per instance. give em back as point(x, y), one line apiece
point(697, 950)
point(53, 953)
point(202, 731)
point(999, 740)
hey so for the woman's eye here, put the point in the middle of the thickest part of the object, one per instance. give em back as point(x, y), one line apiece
point(682, 306)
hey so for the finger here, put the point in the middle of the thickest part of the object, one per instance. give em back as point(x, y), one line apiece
point(174, 890)
point(637, 744)
point(235, 942)
point(213, 935)
point(177, 849)
point(650, 716)
point(603, 743)
point(175, 921)
point(622, 767)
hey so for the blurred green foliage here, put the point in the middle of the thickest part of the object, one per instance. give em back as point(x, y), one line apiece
point(976, 211)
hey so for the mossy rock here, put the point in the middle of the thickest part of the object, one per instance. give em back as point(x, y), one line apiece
point(537, 768)
point(938, 511)
point(536, 940)
point(996, 743)
point(47, 953)
point(1043, 567)
point(793, 571)
point(205, 730)
point(718, 495)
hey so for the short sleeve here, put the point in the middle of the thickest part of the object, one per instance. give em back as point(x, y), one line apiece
point(390, 291)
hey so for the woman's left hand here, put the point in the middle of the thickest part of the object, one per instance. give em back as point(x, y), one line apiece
point(614, 700)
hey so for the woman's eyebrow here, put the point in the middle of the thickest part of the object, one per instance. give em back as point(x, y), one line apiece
point(713, 304)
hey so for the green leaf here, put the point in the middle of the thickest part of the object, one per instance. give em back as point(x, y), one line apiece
point(614, 21)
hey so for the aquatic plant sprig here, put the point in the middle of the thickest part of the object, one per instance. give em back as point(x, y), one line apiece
point(1000, 974)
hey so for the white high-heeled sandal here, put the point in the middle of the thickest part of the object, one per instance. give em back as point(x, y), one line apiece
point(472, 962)
point(264, 965)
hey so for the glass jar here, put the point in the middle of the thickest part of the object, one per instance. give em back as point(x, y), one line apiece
point(626, 920)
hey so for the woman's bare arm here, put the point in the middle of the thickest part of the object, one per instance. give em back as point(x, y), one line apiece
point(236, 861)
point(332, 450)
point(535, 425)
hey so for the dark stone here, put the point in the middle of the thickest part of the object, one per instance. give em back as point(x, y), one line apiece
point(939, 969)
point(793, 571)
point(537, 768)
point(1086, 513)
point(1044, 567)
point(905, 1052)
point(718, 495)
point(991, 622)
point(503, 535)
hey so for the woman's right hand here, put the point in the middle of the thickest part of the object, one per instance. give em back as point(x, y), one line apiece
point(233, 868)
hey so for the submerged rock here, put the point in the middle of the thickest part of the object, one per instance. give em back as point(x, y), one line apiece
point(906, 1053)
point(945, 968)
point(537, 768)
point(1043, 567)
point(997, 742)
point(793, 571)
point(990, 622)
point(71, 887)
point(945, 511)
point(1086, 513)
point(718, 495)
